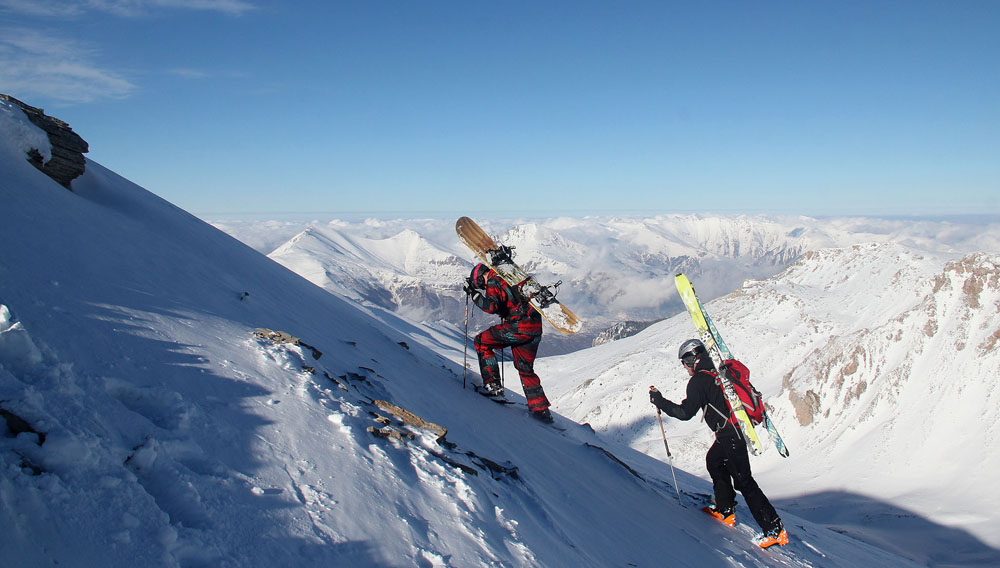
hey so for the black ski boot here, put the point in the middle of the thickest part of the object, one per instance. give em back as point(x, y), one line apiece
point(492, 389)
point(542, 416)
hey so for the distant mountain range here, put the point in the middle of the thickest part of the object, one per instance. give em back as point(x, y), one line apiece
point(613, 269)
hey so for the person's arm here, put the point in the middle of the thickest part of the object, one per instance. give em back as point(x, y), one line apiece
point(687, 409)
point(491, 299)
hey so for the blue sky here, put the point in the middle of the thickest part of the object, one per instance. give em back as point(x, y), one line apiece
point(575, 107)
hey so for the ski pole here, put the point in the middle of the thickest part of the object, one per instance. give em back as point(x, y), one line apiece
point(501, 366)
point(465, 344)
point(670, 457)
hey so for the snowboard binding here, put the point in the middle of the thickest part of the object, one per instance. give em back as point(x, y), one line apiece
point(501, 255)
point(531, 290)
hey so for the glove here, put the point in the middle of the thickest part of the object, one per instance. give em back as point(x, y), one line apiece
point(656, 398)
point(469, 288)
point(478, 300)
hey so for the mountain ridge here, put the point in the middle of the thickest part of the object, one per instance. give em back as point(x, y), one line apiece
point(613, 269)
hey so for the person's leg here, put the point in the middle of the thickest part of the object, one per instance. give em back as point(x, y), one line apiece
point(722, 483)
point(524, 362)
point(486, 343)
point(738, 465)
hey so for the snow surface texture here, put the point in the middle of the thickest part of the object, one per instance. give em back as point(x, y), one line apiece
point(613, 269)
point(158, 427)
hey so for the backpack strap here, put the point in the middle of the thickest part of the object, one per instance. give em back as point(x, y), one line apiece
point(731, 418)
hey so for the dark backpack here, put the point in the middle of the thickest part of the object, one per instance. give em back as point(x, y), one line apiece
point(739, 376)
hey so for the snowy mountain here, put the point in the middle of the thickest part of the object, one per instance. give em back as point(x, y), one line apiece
point(404, 272)
point(621, 330)
point(876, 361)
point(171, 397)
point(613, 269)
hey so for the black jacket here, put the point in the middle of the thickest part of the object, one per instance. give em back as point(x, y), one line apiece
point(703, 393)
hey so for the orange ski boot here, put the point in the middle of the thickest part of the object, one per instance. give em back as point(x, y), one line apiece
point(727, 516)
point(777, 535)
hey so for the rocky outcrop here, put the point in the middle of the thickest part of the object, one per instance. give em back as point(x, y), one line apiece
point(67, 161)
point(621, 330)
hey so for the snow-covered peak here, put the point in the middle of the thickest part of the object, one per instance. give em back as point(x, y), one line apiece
point(419, 257)
point(404, 272)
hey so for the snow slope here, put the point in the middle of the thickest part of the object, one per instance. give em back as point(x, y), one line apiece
point(145, 424)
point(877, 362)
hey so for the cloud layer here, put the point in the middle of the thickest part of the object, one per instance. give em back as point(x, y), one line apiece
point(35, 63)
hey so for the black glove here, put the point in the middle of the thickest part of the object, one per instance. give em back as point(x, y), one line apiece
point(656, 398)
point(469, 287)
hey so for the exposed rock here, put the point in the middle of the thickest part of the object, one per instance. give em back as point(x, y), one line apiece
point(390, 432)
point(621, 330)
point(411, 419)
point(67, 162)
point(278, 337)
point(806, 406)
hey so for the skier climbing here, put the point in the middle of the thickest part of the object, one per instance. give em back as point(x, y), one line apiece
point(520, 328)
point(727, 460)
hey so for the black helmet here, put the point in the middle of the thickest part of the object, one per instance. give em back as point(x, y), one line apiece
point(691, 348)
point(478, 275)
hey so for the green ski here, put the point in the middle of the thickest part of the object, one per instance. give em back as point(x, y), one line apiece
point(717, 349)
point(772, 430)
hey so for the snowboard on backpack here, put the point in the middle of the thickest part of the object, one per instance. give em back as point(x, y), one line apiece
point(499, 258)
point(720, 355)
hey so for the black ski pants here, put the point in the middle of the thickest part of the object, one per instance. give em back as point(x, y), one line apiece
point(729, 466)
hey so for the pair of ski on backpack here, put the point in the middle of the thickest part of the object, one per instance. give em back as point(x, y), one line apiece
point(750, 398)
point(733, 378)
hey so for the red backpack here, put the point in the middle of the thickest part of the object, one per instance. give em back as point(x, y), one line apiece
point(739, 376)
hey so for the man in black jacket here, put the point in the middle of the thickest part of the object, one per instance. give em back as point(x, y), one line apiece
point(727, 460)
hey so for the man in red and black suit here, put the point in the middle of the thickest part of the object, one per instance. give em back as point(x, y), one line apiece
point(520, 328)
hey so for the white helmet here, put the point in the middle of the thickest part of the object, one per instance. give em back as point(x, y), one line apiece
point(691, 347)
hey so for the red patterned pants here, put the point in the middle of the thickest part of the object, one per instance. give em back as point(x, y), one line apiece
point(524, 348)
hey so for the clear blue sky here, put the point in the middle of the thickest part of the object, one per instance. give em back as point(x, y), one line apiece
point(570, 107)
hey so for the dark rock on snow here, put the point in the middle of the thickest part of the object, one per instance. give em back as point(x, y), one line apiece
point(67, 162)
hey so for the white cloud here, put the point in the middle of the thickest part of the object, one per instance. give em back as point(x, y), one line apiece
point(188, 73)
point(43, 7)
point(71, 8)
point(46, 64)
point(34, 63)
point(226, 6)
